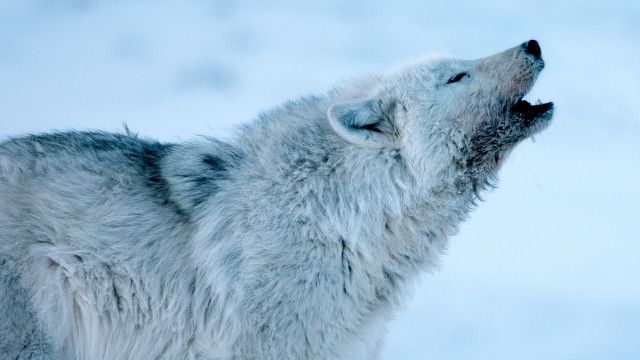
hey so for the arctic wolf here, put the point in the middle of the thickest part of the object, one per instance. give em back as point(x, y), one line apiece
point(294, 240)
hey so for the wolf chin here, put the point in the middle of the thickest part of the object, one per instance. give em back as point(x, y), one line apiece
point(295, 239)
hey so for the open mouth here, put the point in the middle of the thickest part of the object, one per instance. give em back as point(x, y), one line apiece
point(530, 119)
point(529, 113)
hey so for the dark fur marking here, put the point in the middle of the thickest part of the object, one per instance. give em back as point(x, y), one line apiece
point(207, 310)
point(215, 163)
point(372, 127)
point(346, 265)
point(204, 180)
point(143, 155)
point(391, 278)
point(52, 264)
point(114, 289)
point(192, 286)
point(151, 155)
point(116, 296)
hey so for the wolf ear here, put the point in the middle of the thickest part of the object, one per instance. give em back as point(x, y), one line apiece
point(366, 122)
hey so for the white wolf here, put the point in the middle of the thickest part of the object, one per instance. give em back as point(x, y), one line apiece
point(293, 240)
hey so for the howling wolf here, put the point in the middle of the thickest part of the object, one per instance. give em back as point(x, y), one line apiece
point(295, 239)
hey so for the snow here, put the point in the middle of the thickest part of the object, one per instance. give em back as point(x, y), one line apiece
point(546, 268)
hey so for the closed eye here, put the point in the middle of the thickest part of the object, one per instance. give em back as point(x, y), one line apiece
point(457, 78)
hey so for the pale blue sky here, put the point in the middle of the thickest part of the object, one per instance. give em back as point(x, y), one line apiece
point(546, 268)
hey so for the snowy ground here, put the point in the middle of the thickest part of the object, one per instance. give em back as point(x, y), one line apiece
point(547, 267)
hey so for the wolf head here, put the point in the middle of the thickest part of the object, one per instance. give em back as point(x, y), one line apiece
point(446, 114)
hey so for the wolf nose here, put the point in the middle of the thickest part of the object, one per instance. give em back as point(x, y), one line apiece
point(532, 47)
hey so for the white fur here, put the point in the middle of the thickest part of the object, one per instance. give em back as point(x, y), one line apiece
point(294, 240)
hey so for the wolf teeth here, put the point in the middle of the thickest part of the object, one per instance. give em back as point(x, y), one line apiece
point(538, 102)
point(533, 139)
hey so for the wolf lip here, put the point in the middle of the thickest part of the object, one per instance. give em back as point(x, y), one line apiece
point(529, 111)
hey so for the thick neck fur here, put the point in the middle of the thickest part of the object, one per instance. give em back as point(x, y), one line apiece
point(326, 230)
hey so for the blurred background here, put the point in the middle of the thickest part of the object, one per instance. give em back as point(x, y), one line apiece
point(547, 268)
